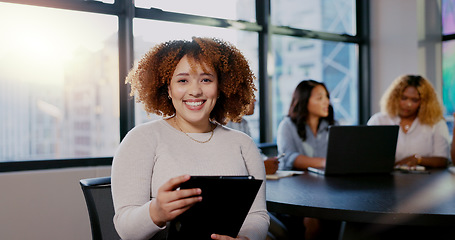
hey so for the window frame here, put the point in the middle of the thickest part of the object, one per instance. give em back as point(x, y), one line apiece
point(126, 12)
point(446, 38)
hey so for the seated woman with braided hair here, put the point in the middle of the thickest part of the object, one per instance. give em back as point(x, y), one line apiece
point(197, 86)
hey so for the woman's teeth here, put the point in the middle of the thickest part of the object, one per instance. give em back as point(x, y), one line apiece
point(194, 104)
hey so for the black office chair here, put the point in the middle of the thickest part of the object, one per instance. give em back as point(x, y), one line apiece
point(277, 230)
point(97, 193)
point(268, 149)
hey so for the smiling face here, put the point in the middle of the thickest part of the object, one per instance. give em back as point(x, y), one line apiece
point(194, 93)
point(409, 102)
point(318, 104)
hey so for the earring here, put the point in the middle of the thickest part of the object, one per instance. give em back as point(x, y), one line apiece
point(169, 97)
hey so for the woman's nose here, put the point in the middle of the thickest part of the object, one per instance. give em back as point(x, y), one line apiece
point(327, 101)
point(195, 89)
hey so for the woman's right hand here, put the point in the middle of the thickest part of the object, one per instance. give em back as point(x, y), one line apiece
point(170, 202)
point(271, 165)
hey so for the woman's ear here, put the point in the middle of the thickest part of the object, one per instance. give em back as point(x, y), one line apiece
point(169, 92)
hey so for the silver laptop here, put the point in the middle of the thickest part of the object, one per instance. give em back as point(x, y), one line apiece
point(360, 150)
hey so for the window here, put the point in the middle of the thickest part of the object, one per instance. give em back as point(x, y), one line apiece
point(334, 63)
point(232, 9)
point(334, 16)
point(296, 58)
point(448, 68)
point(54, 65)
point(448, 60)
point(63, 65)
point(448, 17)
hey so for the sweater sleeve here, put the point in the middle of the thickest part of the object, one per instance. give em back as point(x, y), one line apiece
point(131, 174)
point(256, 223)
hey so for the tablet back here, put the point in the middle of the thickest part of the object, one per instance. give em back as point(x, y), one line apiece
point(226, 201)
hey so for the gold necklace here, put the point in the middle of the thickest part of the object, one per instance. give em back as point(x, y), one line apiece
point(211, 135)
point(405, 126)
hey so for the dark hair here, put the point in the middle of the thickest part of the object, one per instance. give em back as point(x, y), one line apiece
point(150, 78)
point(414, 80)
point(298, 111)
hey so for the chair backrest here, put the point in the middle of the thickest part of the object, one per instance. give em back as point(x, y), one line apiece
point(269, 149)
point(97, 193)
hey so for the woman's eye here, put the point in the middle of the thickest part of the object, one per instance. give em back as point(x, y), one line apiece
point(206, 80)
point(181, 80)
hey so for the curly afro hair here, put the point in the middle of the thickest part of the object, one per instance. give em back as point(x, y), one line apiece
point(151, 76)
point(430, 110)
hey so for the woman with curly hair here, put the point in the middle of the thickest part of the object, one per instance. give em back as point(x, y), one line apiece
point(423, 138)
point(196, 86)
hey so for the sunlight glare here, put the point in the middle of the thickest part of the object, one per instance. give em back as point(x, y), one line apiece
point(41, 40)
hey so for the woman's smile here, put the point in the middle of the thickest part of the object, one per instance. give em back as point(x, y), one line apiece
point(193, 103)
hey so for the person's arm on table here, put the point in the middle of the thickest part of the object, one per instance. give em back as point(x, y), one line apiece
point(303, 162)
point(287, 142)
point(432, 162)
point(440, 154)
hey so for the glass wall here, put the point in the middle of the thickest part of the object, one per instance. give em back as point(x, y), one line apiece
point(448, 77)
point(448, 60)
point(448, 17)
point(63, 64)
point(334, 63)
point(333, 16)
point(59, 93)
point(448, 81)
point(232, 9)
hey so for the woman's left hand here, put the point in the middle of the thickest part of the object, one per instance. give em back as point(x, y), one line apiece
point(224, 237)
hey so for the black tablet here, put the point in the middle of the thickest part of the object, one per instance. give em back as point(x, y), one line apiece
point(225, 203)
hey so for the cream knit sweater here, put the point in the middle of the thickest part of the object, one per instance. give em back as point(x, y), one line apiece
point(154, 152)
